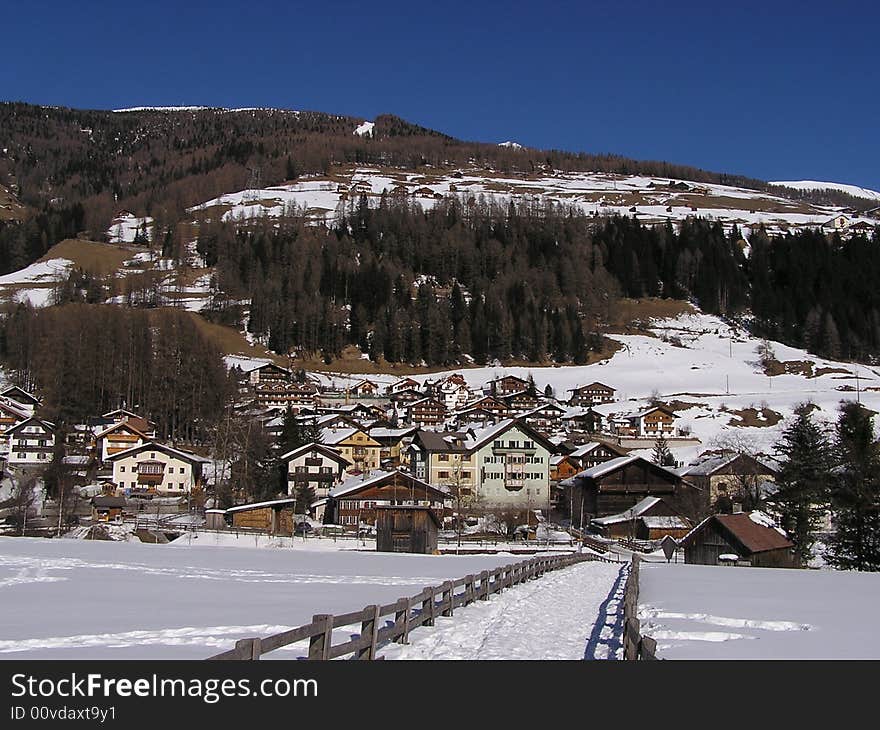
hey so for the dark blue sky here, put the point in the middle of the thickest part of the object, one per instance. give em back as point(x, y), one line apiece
point(773, 89)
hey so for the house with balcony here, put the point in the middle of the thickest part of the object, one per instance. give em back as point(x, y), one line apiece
point(155, 468)
point(314, 465)
point(355, 445)
point(118, 437)
point(594, 394)
point(30, 443)
point(503, 465)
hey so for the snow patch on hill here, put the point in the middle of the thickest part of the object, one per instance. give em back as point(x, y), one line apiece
point(854, 190)
point(365, 129)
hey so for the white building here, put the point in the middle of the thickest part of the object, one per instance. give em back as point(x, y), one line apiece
point(154, 467)
point(30, 443)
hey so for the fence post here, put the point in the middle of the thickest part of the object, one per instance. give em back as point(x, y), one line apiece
point(248, 649)
point(401, 620)
point(428, 607)
point(369, 627)
point(469, 590)
point(448, 595)
point(484, 585)
point(648, 648)
point(319, 644)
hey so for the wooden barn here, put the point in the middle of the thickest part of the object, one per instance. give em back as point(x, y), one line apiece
point(274, 517)
point(615, 486)
point(650, 518)
point(355, 501)
point(748, 535)
point(406, 529)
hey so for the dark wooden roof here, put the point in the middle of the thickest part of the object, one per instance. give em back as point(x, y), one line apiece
point(742, 529)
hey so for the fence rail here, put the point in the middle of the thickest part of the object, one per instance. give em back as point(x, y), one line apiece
point(404, 615)
point(635, 646)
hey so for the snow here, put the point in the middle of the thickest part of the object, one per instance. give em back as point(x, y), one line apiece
point(854, 190)
point(509, 143)
point(714, 612)
point(589, 192)
point(125, 227)
point(41, 272)
point(136, 601)
point(365, 129)
point(714, 372)
point(572, 613)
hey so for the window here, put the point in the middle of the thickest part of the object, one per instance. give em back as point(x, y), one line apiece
point(444, 475)
point(122, 467)
point(498, 445)
point(182, 470)
point(465, 475)
point(443, 457)
point(301, 469)
point(153, 455)
point(22, 456)
point(170, 469)
point(133, 485)
point(326, 470)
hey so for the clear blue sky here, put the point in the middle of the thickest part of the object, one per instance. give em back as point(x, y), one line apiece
point(772, 89)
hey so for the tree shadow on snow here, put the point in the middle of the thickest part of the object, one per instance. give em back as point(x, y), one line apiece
point(610, 617)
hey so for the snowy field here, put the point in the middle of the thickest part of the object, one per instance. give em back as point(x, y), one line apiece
point(76, 599)
point(654, 198)
point(709, 612)
point(573, 613)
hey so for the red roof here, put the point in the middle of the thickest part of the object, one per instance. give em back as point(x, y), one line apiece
point(754, 537)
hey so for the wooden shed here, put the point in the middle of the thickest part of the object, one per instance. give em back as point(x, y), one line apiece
point(749, 536)
point(274, 517)
point(406, 529)
point(107, 508)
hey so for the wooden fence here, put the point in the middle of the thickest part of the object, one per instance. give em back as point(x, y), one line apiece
point(635, 646)
point(405, 614)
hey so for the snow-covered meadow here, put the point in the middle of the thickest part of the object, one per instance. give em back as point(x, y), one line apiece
point(76, 599)
point(711, 612)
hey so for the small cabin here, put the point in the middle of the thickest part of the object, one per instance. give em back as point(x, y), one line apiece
point(274, 517)
point(406, 529)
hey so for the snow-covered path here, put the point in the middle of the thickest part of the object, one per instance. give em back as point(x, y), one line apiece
point(573, 613)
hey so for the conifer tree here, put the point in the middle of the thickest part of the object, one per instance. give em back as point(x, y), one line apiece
point(805, 464)
point(662, 455)
point(855, 493)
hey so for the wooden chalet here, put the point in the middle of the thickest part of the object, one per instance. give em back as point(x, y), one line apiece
point(403, 384)
point(617, 485)
point(492, 404)
point(545, 417)
point(116, 438)
point(354, 501)
point(522, 402)
point(652, 422)
point(506, 385)
point(364, 388)
point(730, 476)
point(594, 453)
point(563, 466)
point(269, 373)
point(583, 419)
point(650, 518)
point(10, 416)
point(21, 397)
point(425, 412)
point(407, 529)
point(750, 536)
point(30, 443)
point(593, 394)
point(107, 509)
point(314, 465)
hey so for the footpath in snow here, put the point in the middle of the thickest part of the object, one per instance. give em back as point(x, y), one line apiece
point(573, 613)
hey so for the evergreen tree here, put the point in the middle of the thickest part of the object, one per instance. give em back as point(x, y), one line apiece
point(805, 464)
point(855, 493)
point(662, 455)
